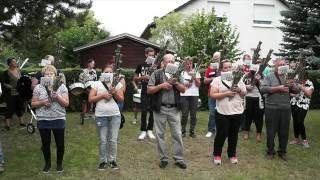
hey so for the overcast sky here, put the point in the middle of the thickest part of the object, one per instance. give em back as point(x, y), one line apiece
point(131, 16)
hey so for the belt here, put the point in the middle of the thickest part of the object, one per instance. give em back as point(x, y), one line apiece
point(169, 105)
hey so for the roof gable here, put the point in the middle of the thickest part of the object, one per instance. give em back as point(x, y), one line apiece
point(116, 38)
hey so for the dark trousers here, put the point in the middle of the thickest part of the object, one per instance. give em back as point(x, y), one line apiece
point(253, 113)
point(227, 127)
point(188, 105)
point(15, 105)
point(298, 115)
point(145, 108)
point(277, 122)
point(45, 135)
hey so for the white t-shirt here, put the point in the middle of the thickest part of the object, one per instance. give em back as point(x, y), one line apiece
point(105, 107)
point(193, 90)
point(228, 106)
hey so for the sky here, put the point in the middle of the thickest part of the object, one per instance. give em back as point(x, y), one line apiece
point(131, 16)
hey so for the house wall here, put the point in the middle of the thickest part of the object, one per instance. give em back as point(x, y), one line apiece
point(241, 15)
point(133, 53)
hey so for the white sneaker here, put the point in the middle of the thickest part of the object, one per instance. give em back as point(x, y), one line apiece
point(234, 160)
point(134, 121)
point(150, 135)
point(209, 134)
point(305, 144)
point(142, 135)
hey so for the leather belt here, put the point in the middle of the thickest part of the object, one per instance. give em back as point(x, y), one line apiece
point(169, 105)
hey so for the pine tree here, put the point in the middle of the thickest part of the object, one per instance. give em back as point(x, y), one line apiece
point(301, 28)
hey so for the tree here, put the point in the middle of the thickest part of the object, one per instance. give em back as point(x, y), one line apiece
point(198, 30)
point(301, 28)
point(29, 26)
point(82, 29)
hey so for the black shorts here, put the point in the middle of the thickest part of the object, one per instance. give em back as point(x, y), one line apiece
point(15, 105)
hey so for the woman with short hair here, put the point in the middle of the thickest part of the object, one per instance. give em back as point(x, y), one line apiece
point(51, 116)
point(229, 113)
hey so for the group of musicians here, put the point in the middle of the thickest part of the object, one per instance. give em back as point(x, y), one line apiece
point(168, 98)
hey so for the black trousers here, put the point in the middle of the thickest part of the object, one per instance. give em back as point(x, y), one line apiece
point(188, 105)
point(277, 122)
point(227, 127)
point(15, 105)
point(253, 113)
point(145, 108)
point(45, 135)
point(298, 116)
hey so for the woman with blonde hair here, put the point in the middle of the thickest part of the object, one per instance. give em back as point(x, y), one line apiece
point(51, 116)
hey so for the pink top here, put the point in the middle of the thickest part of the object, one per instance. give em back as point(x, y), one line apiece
point(229, 106)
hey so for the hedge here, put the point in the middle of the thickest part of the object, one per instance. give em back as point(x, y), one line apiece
point(72, 75)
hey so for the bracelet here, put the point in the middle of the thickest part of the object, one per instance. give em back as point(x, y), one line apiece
point(158, 86)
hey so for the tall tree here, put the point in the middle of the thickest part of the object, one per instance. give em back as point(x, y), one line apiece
point(82, 29)
point(301, 28)
point(198, 30)
point(29, 25)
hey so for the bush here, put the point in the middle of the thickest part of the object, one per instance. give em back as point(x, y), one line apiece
point(72, 76)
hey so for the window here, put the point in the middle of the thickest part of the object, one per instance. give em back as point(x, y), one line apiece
point(221, 7)
point(263, 14)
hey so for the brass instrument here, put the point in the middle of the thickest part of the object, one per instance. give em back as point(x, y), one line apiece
point(116, 66)
point(157, 62)
point(256, 54)
point(262, 67)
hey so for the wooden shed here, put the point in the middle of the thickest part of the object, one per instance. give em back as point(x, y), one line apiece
point(103, 51)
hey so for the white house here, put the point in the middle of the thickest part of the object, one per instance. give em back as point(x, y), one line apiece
point(255, 20)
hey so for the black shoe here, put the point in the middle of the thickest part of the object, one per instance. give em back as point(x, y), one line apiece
point(102, 166)
point(22, 125)
point(59, 168)
point(192, 134)
point(269, 156)
point(46, 168)
point(283, 157)
point(163, 164)
point(184, 134)
point(114, 165)
point(181, 164)
point(7, 128)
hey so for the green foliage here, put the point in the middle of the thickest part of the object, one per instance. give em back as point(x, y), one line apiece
point(5, 52)
point(48, 27)
point(188, 35)
point(300, 26)
point(30, 25)
point(79, 31)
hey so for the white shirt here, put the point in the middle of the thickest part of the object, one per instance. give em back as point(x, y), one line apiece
point(105, 107)
point(226, 105)
point(193, 90)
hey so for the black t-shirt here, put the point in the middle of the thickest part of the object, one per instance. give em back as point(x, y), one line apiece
point(142, 69)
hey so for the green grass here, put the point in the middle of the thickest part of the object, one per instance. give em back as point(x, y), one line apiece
point(139, 159)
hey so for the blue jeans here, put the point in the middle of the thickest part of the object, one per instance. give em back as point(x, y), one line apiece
point(1, 155)
point(108, 129)
point(212, 118)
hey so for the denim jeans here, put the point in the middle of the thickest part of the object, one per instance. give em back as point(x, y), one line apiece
point(1, 155)
point(212, 118)
point(108, 129)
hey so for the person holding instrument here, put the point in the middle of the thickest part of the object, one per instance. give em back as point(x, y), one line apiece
point(165, 106)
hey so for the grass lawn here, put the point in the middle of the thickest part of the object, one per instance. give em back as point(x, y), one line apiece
point(139, 159)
